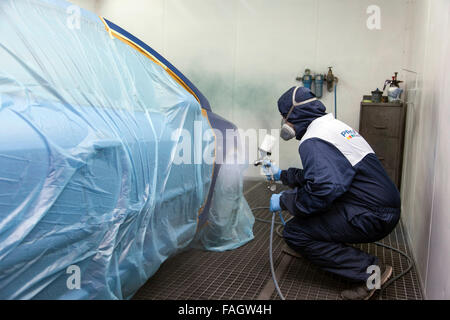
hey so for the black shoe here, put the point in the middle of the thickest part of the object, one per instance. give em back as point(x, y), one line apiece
point(361, 292)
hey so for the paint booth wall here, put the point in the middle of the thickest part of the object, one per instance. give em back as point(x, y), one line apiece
point(243, 54)
point(426, 175)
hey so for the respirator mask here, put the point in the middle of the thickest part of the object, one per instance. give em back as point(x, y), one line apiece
point(287, 132)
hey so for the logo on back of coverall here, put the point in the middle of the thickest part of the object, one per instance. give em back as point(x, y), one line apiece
point(350, 134)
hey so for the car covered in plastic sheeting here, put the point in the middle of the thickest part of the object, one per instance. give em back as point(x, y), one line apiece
point(93, 197)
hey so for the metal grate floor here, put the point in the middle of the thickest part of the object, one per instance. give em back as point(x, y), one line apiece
point(242, 274)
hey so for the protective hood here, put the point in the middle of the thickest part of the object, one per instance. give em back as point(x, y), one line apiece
point(301, 116)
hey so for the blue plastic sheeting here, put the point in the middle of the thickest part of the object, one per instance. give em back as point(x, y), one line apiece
point(201, 98)
point(230, 219)
point(88, 182)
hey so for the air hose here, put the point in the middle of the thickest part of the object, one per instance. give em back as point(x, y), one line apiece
point(335, 101)
point(283, 223)
point(272, 269)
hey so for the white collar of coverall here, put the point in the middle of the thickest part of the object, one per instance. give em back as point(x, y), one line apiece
point(327, 117)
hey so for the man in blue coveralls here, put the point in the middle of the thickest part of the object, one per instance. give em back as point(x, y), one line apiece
point(341, 196)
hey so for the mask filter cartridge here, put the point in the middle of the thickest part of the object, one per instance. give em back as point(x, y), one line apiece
point(287, 132)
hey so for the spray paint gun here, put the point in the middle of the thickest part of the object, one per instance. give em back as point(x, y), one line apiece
point(265, 152)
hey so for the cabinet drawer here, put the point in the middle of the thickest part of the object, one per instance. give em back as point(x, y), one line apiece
point(386, 149)
point(383, 121)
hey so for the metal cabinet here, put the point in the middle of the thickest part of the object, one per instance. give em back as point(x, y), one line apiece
point(383, 127)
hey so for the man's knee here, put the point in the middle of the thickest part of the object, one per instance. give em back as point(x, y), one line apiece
point(296, 237)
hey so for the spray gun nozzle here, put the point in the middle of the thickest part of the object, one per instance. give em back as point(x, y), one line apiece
point(258, 163)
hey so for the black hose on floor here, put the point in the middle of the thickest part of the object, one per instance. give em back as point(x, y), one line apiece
point(408, 258)
point(278, 231)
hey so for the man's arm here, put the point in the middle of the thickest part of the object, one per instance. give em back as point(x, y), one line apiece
point(327, 174)
point(292, 177)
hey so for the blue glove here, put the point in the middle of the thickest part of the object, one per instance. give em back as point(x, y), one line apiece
point(271, 169)
point(275, 203)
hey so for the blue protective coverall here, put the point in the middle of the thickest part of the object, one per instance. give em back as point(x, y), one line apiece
point(342, 195)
